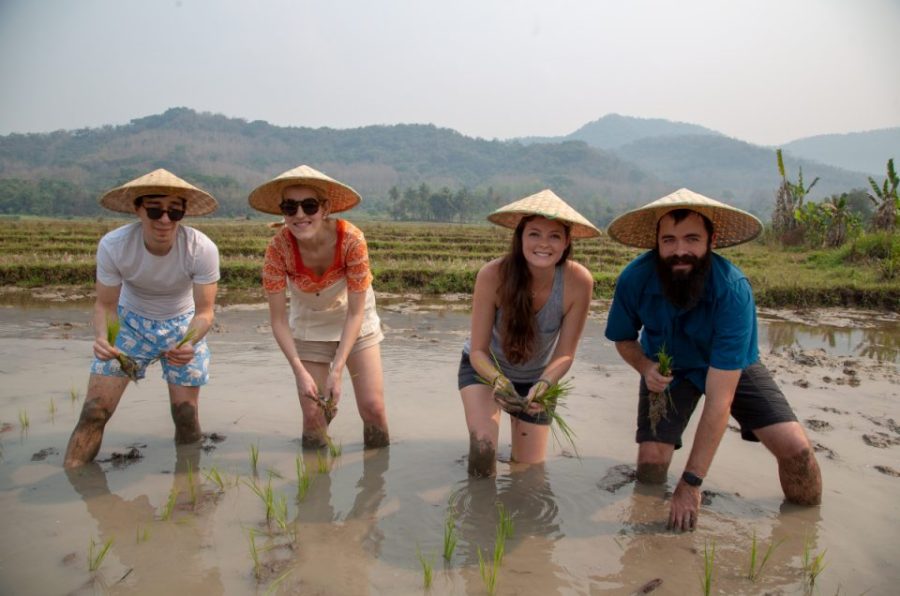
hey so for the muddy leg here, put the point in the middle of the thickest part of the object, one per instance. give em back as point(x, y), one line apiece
point(375, 436)
point(184, 404)
point(653, 462)
point(103, 395)
point(482, 457)
point(801, 479)
point(368, 387)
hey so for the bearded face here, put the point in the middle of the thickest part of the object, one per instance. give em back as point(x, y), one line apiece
point(683, 256)
point(683, 278)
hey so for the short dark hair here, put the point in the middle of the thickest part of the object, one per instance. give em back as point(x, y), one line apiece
point(680, 215)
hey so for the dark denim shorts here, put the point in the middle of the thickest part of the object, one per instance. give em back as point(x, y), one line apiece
point(469, 376)
point(758, 402)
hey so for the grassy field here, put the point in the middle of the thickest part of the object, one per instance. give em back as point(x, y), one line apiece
point(444, 258)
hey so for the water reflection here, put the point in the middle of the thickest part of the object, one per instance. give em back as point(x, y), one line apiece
point(129, 523)
point(880, 343)
point(526, 495)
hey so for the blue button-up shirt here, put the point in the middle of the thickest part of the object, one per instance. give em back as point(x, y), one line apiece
point(719, 331)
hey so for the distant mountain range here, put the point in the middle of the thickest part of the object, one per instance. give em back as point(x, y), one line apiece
point(602, 168)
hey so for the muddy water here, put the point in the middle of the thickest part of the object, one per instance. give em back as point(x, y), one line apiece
point(580, 526)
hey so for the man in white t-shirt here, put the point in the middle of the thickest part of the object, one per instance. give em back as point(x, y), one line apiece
point(156, 284)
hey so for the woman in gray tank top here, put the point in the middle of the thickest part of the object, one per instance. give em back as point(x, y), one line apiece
point(529, 308)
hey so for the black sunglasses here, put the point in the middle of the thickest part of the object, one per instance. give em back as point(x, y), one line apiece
point(155, 213)
point(309, 206)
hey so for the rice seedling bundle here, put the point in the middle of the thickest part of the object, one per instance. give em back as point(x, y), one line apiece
point(659, 402)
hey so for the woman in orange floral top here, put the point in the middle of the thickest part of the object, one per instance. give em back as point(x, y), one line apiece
point(324, 263)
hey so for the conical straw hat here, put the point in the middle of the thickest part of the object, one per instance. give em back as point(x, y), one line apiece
point(731, 225)
point(546, 204)
point(159, 182)
point(340, 197)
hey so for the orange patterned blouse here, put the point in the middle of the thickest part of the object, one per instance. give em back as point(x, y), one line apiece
point(351, 262)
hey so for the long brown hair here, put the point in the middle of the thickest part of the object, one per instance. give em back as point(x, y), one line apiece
point(517, 328)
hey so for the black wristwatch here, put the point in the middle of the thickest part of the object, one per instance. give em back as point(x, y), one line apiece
point(691, 478)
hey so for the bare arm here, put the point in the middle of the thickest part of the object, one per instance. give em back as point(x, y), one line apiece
point(204, 314)
point(484, 309)
point(105, 309)
point(356, 304)
point(282, 332)
point(720, 388)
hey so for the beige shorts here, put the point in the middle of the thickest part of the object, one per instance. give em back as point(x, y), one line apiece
point(324, 351)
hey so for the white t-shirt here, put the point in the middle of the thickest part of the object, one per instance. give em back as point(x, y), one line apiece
point(152, 286)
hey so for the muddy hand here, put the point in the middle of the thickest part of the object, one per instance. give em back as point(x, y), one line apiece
point(328, 406)
point(685, 507)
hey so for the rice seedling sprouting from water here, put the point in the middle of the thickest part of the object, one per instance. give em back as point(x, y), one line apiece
point(709, 560)
point(273, 587)
point(450, 537)
point(334, 449)
point(24, 421)
point(813, 565)
point(427, 568)
point(52, 409)
point(74, 395)
point(142, 533)
point(660, 402)
point(322, 463)
point(302, 479)
point(254, 457)
point(213, 476)
point(191, 487)
point(95, 556)
point(754, 572)
point(488, 575)
point(170, 505)
point(254, 553)
point(266, 495)
point(504, 522)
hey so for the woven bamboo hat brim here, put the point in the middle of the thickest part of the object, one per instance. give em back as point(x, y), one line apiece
point(638, 227)
point(340, 197)
point(159, 182)
point(546, 204)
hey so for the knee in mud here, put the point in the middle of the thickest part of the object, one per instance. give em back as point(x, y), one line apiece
point(95, 414)
point(482, 457)
point(375, 436)
point(652, 472)
point(313, 440)
point(187, 428)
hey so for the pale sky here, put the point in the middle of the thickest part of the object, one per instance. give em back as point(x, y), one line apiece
point(764, 71)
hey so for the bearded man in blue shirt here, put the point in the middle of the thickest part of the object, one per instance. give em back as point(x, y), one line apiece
point(682, 298)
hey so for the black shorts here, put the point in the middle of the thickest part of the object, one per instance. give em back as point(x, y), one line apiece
point(758, 402)
point(469, 376)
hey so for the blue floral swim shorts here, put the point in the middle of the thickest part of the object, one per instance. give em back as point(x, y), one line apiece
point(146, 339)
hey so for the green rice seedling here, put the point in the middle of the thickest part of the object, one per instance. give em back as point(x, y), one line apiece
point(95, 557)
point(280, 512)
point(754, 573)
point(266, 495)
point(191, 487)
point(74, 394)
point(273, 587)
point(504, 523)
point(709, 560)
point(322, 463)
point(659, 402)
point(24, 421)
point(302, 479)
point(142, 533)
point(334, 450)
point(254, 553)
point(127, 363)
point(254, 457)
point(52, 409)
point(213, 476)
point(813, 565)
point(170, 505)
point(427, 568)
point(488, 576)
point(450, 537)
point(271, 473)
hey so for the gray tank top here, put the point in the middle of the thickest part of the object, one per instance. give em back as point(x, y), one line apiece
point(549, 321)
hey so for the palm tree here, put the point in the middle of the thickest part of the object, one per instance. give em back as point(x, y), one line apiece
point(887, 204)
point(788, 200)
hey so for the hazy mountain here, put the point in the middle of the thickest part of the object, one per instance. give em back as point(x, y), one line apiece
point(737, 172)
point(613, 131)
point(862, 151)
point(229, 157)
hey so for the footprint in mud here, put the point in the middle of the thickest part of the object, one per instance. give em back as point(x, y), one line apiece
point(820, 448)
point(43, 453)
point(131, 456)
point(880, 440)
point(889, 471)
point(617, 477)
point(210, 440)
point(832, 410)
point(817, 425)
point(802, 383)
